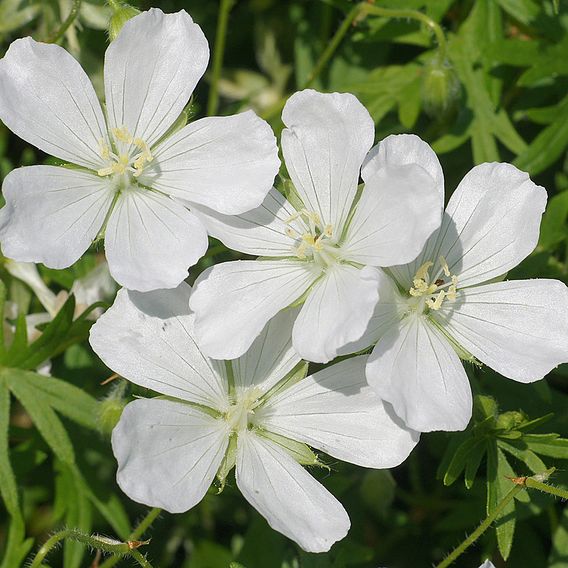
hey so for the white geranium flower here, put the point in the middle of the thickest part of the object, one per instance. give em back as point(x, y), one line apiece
point(251, 412)
point(450, 303)
point(323, 253)
point(132, 183)
point(487, 564)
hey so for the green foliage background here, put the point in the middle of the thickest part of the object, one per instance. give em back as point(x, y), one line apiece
point(502, 95)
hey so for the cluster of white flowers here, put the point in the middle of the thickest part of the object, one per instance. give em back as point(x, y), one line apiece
point(342, 267)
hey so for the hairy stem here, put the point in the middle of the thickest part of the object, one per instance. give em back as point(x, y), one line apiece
point(57, 35)
point(137, 533)
point(534, 482)
point(218, 54)
point(457, 552)
point(94, 541)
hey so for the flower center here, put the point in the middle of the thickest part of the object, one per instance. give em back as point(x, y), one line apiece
point(131, 155)
point(241, 414)
point(317, 243)
point(433, 292)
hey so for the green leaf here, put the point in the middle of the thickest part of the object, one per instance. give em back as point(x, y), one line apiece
point(51, 340)
point(559, 552)
point(42, 415)
point(17, 546)
point(460, 458)
point(549, 145)
point(523, 454)
point(553, 229)
point(524, 11)
point(498, 469)
point(473, 463)
point(71, 503)
point(545, 445)
point(2, 304)
point(8, 487)
point(69, 400)
point(19, 345)
point(487, 122)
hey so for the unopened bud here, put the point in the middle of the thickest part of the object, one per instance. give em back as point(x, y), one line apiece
point(121, 14)
point(510, 420)
point(110, 408)
point(440, 87)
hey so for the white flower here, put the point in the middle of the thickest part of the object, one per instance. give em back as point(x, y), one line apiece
point(323, 253)
point(250, 412)
point(450, 303)
point(487, 564)
point(131, 182)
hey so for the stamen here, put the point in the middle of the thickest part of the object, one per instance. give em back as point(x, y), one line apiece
point(122, 135)
point(422, 272)
point(439, 290)
point(445, 266)
point(105, 171)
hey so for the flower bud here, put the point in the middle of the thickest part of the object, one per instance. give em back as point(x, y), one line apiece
point(110, 409)
point(440, 87)
point(121, 14)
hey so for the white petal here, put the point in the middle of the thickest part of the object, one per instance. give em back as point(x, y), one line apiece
point(519, 328)
point(287, 496)
point(260, 232)
point(336, 312)
point(271, 356)
point(415, 369)
point(227, 163)
point(324, 144)
point(52, 214)
point(401, 150)
point(387, 313)
point(148, 338)
point(168, 453)
point(399, 209)
point(47, 99)
point(487, 564)
point(337, 412)
point(151, 69)
point(151, 240)
point(233, 301)
point(492, 222)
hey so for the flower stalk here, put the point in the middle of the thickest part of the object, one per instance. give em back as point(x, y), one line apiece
point(218, 55)
point(97, 542)
point(136, 534)
point(520, 483)
point(58, 34)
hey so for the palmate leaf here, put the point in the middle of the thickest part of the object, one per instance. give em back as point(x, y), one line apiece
point(549, 145)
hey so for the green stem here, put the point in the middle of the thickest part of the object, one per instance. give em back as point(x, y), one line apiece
point(413, 15)
point(94, 541)
point(218, 54)
point(534, 482)
point(333, 44)
point(359, 12)
point(66, 24)
point(481, 528)
point(544, 487)
point(136, 534)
